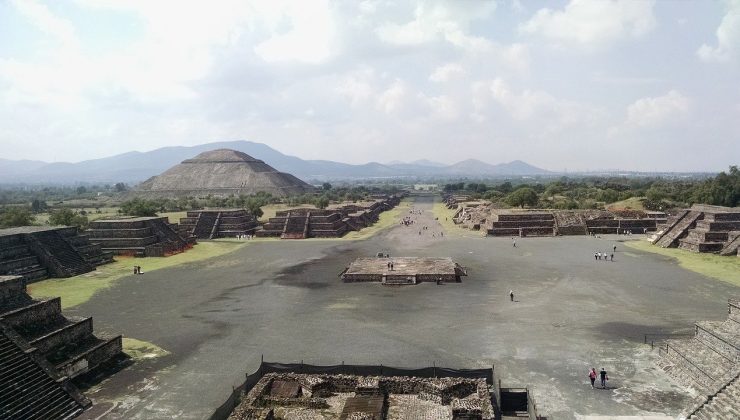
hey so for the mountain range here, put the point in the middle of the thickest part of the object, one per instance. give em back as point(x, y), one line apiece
point(134, 167)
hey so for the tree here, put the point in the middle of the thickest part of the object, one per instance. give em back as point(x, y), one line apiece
point(139, 207)
point(37, 206)
point(67, 217)
point(16, 216)
point(523, 197)
point(120, 187)
point(326, 186)
point(322, 202)
point(81, 190)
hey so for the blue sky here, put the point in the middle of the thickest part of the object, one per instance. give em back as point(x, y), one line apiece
point(636, 85)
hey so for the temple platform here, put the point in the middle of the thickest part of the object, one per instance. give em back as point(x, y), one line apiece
point(404, 270)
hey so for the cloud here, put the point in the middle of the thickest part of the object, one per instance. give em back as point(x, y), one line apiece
point(659, 110)
point(438, 20)
point(593, 23)
point(728, 37)
point(309, 39)
point(446, 72)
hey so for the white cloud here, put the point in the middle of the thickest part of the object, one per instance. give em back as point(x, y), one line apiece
point(593, 23)
point(659, 110)
point(393, 99)
point(438, 20)
point(728, 36)
point(446, 72)
point(310, 38)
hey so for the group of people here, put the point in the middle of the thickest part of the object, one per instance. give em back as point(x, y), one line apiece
point(605, 256)
point(390, 265)
point(242, 237)
point(137, 269)
point(602, 375)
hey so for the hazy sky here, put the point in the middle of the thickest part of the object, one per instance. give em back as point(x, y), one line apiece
point(563, 85)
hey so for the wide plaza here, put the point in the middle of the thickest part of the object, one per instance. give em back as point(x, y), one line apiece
point(283, 300)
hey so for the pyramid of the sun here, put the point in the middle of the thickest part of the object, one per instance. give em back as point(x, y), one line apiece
point(222, 172)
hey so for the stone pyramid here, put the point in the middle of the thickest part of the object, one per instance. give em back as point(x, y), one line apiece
point(222, 172)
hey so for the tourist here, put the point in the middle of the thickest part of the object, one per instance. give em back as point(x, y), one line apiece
point(511, 295)
point(612, 256)
point(604, 378)
point(596, 257)
point(614, 248)
point(136, 269)
point(513, 242)
point(391, 265)
point(592, 377)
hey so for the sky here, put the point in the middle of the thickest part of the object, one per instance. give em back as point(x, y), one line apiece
point(564, 85)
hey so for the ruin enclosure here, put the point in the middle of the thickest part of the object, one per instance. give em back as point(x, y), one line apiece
point(403, 270)
point(37, 252)
point(346, 397)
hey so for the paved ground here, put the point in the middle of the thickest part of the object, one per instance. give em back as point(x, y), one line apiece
point(284, 299)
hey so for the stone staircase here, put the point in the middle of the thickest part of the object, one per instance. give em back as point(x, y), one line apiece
point(732, 247)
point(204, 225)
point(711, 358)
point(723, 405)
point(28, 389)
point(678, 229)
point(67, 343)
point(59, 249)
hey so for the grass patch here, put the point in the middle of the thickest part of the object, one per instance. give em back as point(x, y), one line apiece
point(385, 220)
point(269, 210)
point(444, 218)
point(174, 216)
point(141, 350)
point(634, 203)
point(716, 266)
point(79, 289)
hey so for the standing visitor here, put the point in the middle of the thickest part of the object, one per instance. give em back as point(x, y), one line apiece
point(511, 295)
point(604, 378)
point(592, 377)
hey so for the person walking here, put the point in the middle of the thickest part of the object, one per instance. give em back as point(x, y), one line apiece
point(592, 377)
point(612, 256)
point(511, 295)
point(614, 248)
point(513, 242)
point(603, 377)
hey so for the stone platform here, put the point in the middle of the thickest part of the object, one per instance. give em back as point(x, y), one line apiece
point(406, 270)
point(39, 252)
point(139, 236)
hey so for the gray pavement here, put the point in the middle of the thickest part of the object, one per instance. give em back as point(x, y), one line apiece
point(284, 300)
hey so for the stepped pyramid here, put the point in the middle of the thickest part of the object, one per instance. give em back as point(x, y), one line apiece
point(222, 172)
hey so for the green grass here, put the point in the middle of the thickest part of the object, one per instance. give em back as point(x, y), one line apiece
point(79, 289)
point(634, 203)
point(715, 266)
point(141, 350)
point(173, 216)
point(444, 217)
point(385, 220)
point(269, 210)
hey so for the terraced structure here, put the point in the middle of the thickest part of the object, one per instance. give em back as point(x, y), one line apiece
point(38, 252)
point(709, 363)
point(217, 223)
point(702, 228)
point(138, 236)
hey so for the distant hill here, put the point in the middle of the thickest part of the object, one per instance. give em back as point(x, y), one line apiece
point(135, 167)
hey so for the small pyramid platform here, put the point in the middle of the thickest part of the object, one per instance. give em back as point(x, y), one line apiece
point(222, 172)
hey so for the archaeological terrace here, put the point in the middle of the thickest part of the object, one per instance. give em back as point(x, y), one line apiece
point(37, 252)
point(217, 223)
point(333, 222)
point(41, 350)
point(138, 236)
point(702, 228)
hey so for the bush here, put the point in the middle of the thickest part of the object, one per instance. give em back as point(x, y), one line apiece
point(16, 216)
